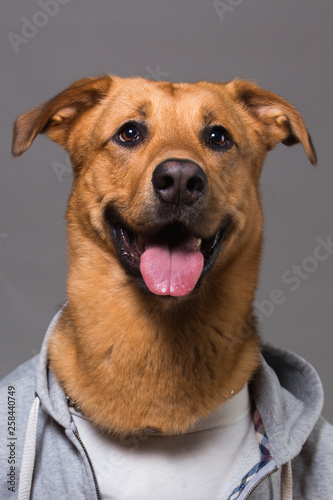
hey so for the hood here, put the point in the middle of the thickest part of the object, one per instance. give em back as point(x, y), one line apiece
point(289, 397)
point(52, 397)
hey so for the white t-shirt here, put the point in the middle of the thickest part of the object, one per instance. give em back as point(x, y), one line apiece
point(206, 463)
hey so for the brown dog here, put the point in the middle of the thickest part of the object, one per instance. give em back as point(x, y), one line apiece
point(164, 239)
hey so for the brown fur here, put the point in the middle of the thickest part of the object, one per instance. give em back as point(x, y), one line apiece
point(131, 359)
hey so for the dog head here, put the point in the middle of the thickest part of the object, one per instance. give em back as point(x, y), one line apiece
point(166, 175)
point(165, 202)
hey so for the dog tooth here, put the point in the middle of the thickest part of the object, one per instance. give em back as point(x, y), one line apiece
point(198, 243)
point(141, 241)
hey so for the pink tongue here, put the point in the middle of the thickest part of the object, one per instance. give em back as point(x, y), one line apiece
point(171, 271)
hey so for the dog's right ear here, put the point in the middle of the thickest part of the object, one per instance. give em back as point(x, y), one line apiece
point(56, 116)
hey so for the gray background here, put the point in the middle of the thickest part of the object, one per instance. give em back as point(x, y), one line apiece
point(285, 46)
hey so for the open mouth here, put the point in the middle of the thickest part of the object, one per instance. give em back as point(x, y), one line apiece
point(171, 261)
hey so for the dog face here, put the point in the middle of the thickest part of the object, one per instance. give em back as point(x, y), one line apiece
point(166, 175)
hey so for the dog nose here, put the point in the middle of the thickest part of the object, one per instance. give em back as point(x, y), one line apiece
point(180, 182)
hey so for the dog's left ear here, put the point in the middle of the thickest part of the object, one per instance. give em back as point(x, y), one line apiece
point(275, 118)
point(56, 116)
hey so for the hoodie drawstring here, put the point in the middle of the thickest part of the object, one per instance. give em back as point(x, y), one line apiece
point(29, 452)
point(286, 482)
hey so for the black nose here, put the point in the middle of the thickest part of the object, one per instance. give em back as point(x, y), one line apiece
point(180, 182)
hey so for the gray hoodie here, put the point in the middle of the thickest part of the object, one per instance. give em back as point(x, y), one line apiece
point(297, 448)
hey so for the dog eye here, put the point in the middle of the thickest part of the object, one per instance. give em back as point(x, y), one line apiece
point(129, 133)
point(218, 138)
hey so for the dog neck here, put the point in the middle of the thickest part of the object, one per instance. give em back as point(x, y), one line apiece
point(133, 361)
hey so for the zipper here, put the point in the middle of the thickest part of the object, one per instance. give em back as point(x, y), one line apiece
point(255, 486)
point(90, 464)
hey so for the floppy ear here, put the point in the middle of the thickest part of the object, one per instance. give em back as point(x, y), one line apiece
point(274, 117)
point(57, 115)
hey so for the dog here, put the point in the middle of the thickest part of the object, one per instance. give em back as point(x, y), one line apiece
point(164, 226)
